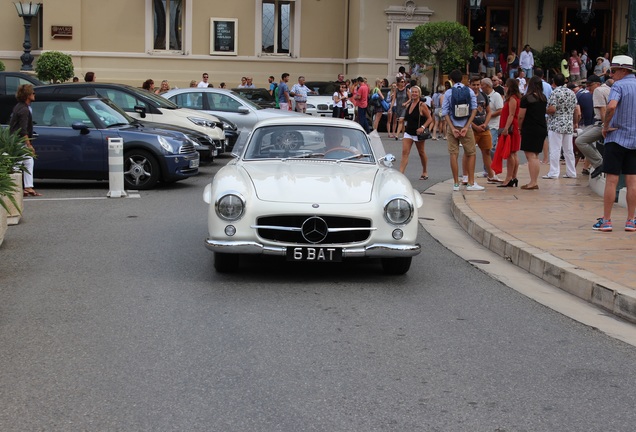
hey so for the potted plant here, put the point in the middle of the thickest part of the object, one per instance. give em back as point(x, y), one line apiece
point(15, 152)
point(7, 190)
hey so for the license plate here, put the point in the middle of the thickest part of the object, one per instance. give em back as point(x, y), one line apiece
point(321, 254)
point(194, 163)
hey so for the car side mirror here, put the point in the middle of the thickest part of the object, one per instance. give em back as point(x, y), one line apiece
point(243, 110)
point(141, 110)
point(80, 127)
point(387, 160)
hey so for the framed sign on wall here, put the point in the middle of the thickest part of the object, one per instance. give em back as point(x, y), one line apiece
point(223, 36)
point(403, 35)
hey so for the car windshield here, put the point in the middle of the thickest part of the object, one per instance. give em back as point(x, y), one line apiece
point(309, 142)
point(245, 100)
point(108, 113)
point(323, 88)
point(157, 100)
point(254, 96)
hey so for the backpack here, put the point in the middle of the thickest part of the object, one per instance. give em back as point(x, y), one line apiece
point(460, 100)
point(275, 93)
point(589, 64)
point(515, 62)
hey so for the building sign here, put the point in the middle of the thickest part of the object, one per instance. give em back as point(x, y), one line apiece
point(223, 36)
point(403, 42)
point(61, 32)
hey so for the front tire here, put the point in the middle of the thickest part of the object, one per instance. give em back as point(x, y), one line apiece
point(396, 266)
point(141, 170)
point(226, 263)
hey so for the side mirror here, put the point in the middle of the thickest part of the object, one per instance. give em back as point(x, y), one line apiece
point(387, 160)
point(141, 110)
point(243, 110)
point(80, 127)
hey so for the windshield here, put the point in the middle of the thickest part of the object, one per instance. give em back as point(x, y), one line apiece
point(157, 100)
point(309, 142)
point(323, 88)
point(245, 100)
point(108, 113)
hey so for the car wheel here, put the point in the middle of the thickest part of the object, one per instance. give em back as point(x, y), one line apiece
point(226, 263)
point(141, 170)
point(396, 266)
point(289, 140)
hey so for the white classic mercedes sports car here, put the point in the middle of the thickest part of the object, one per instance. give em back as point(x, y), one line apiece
point(312, 189)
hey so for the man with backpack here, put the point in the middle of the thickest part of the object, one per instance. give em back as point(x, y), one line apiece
point(459, 108)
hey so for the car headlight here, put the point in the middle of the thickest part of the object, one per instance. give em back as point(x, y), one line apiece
point(229, 126)
point(398, 211)
point(311, 106)
point(202, 122)
point(165, 144)
point(230, 207)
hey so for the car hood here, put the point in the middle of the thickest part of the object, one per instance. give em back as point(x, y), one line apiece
point(313, 182)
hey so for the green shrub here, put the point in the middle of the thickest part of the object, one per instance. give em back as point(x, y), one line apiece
point(550, 58)
point(54, 66)
point(1, 66)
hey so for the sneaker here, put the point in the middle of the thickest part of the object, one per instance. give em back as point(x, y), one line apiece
point(475, 187)
point(484, 174)
point(603, 225)
point(465, 180)
point(456, 187)
point(548, 177)
point(568, 176)
point(630, 225)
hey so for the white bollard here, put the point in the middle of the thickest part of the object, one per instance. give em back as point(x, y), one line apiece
point(116, 168)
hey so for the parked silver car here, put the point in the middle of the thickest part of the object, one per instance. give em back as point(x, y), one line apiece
point(225, 103)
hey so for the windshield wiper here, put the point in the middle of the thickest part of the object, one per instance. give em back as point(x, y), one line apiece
point(354, 156)
point(117, 124)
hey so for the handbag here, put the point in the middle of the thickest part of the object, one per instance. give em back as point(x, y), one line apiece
point(385, 105)
point(426, 134)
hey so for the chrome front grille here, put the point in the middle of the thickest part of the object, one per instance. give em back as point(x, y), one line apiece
point(323, 107)
point(188, 147)
point(289, 229)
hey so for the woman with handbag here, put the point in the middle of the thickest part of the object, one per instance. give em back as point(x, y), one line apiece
point(377, 103)
point(417, 117)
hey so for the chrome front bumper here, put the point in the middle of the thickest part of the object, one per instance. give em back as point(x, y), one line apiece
point(378, 250)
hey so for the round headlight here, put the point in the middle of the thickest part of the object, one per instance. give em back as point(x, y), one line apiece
point(398, 211)
point(165, 144)
point(230, 207)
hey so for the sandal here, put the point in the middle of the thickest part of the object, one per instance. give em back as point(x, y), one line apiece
point(31, 192)
point(423, 177)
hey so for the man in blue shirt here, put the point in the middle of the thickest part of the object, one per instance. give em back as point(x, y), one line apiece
point(619, 130)
point(460, 131)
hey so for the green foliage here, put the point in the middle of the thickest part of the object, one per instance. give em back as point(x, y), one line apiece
point(550, 57)
point(618, 49)
point(7, 186)
point(13, 147)
point(445, 44)
point(54, 66)
point(1, 66)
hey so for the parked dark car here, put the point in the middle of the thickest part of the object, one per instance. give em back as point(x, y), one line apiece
point(71, 142)
point(144, 105)
point(259, 96)
point(10, 81)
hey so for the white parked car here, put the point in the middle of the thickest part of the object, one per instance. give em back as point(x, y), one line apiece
point(320, 104)
point(312, 189)
point(225, 103)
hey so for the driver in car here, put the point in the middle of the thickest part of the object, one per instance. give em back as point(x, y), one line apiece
point(334, 147)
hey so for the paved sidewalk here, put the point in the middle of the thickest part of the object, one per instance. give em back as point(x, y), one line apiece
point(548, 232)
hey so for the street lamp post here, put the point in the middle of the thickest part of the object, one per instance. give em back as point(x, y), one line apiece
point(475, 8)
point(27, 11)
point(586, 10)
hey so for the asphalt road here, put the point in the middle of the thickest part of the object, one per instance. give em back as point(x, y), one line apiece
point(112, 318)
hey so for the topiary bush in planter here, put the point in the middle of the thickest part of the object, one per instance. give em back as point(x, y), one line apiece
point(54, 66)
point(1, 66)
